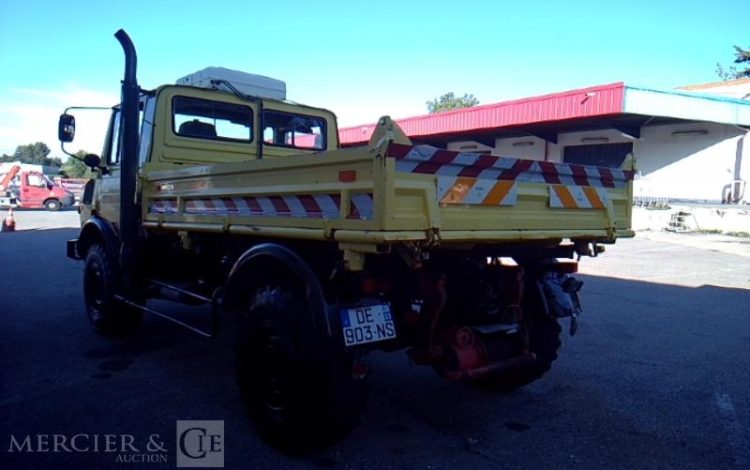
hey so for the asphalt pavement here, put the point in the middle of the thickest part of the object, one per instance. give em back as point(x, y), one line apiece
point(658, 376)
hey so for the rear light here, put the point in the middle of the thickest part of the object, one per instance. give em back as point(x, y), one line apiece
point(374, 286)
point(369, 286)
point(347, 176)
point(360, 370)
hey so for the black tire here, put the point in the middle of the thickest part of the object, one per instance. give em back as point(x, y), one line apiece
point(298, 388)
point(52, 205)
point(544, 342)
point(107, 315)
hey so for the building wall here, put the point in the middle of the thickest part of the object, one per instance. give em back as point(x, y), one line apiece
point(693, 167)
point(469, 146)
point(689, 167)
point(534, 148)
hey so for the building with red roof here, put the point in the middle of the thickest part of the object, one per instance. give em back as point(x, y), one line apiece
point(689, 144)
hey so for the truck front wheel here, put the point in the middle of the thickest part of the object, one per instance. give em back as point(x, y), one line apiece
point(108, 315)
point(298, 387)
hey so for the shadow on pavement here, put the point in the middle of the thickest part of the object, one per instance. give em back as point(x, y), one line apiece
point(634, 389)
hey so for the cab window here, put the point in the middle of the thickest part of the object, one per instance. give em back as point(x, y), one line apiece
point(294, 130)
point(111, 153)
point(36, 180)
point(113, 140)
point(213, 120)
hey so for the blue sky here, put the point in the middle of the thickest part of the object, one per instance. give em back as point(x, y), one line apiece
point(359, 59)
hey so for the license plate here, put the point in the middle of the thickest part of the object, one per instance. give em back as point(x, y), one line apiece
point(367, 324)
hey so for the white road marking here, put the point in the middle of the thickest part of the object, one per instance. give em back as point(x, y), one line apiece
point(735, 433)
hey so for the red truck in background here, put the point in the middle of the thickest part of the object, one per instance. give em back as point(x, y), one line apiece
point(32, 190)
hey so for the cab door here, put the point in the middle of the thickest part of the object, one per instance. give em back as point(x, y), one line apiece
point(34, 189)
point(106, 191)
point(107, 203)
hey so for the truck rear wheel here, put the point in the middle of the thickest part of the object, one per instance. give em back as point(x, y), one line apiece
point(108, 315)
point(544, 342)
point(52, 205)
point(298, 388)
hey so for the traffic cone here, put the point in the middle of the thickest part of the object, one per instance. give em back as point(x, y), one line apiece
point(9, 222)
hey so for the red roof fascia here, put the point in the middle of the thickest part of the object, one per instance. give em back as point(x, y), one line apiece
point(585, 102)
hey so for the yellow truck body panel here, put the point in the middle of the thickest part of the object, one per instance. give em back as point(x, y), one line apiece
point(387, 192)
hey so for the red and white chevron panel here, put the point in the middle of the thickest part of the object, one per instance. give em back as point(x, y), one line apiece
point(322, 206)
point(577, 197)
point(426, 159)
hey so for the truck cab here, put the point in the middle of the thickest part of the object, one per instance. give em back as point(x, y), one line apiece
point(209, 120)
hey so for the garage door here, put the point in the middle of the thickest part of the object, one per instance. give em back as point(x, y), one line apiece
point(611, 155)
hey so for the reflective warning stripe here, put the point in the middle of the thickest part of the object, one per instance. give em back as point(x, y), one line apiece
point(453, 190)
point(503, 193)
point(464, 190)
point(163, 207)
point(426, 159)
point(596, 199)
point(577, 197)
point(480, 179)
point(325, 206)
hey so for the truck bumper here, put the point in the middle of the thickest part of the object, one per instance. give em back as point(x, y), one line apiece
point(71, 250)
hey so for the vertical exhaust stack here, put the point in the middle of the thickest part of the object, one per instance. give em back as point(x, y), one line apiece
point(129, 208)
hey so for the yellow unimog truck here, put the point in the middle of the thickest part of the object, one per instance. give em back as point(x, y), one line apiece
point(217, 190)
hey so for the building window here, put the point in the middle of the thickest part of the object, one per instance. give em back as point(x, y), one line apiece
point(609, 155)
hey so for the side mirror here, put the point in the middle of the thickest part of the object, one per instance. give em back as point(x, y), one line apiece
point(66, 128)
point(92, 161)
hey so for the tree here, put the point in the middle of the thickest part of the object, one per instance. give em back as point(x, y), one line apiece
point(741, 56)
point(74, 168)
point(32, 153)
point(449, 101)
point(36, 153)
